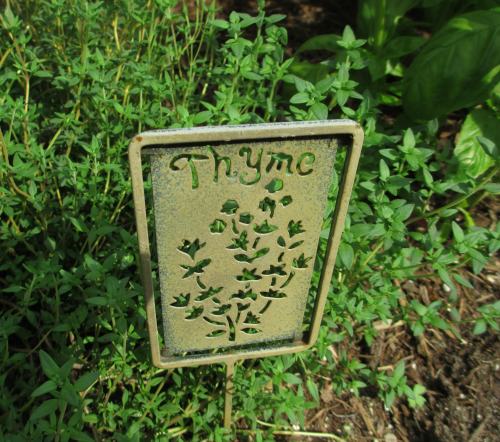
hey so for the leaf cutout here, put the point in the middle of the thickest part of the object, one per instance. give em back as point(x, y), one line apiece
point(264, 228)
point(295, 228)
point(246, 218)
point(285, 200)
point(244, 295)
point(217, 226)
point(229, 207)
point(295, 245)
point(239, 243)
point(251, 331)
point(190, 248)
point(251, 319)
point(198, 268)
point(275, 270)
point(221, 310)
point(275, 294)
point(211, 321)
point(248, 275)
point(268, 204)
point(181, 301)
point(208, 294)
point(290, 277)
point(235, 230)
point(301, 262)
point(194, 313)
point(216, 333)
point(257, 255)
point(274, 186)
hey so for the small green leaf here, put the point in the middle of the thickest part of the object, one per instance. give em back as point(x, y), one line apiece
point(86, 381)
point(419, 308)
point(492, 187)
point(461, 280)
point(438, 322)
point(480, 327)
point(346, 253)
point(290, 378)
point(399, 372)
point(313, 389)
point(489, 147)
point(69, 395)
point(320, 111)
point(223, 24)
point(44, 388)
point(49, 367)
point(477, 255)
point(457, 232)
point(45, 409)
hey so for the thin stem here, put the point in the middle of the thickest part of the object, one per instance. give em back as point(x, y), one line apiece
point(454, 203)
point(59, 423)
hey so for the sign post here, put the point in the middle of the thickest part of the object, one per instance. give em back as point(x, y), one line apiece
point(238, 214)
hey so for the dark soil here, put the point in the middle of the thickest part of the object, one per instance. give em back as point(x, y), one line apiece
point(462, 378)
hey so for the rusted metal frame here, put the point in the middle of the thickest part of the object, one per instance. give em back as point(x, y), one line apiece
point(234, 133)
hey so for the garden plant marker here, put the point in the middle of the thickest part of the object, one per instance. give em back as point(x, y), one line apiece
point(238, 213)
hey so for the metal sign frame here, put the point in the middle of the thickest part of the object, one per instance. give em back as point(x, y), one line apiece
point(231, 134)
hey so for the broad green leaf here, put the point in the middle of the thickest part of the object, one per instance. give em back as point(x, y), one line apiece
point(438, 322)
point(409, 392)
point(458, 67)
point(321, 42)
point(384, 170)
point(477, 255)
point(457, 232)
point(202, 117)
point(419, 308)
point(290, 378)
point(400, 370)
point(79, 224)
point(220, 23)
point(461, 280)
point(86, 381)
point(480, 327)
point(105, 230)
point(69, 395)
point(400, 46)
point(301, 97)
point(313, 389)
point(45, 409)
point(80, 436)
point(346, 253)
point(49, 367)
point(468, 153)
point(44, 388)
point(320, 111)
point(98, 300)
point(489, 147)
point(492, 187)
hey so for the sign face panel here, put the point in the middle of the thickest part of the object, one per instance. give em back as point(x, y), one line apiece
point(237, 228)
point(238, 214)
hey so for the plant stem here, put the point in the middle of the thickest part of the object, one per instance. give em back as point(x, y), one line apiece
point(59, 423)
point(454, 203)
point(378, 37)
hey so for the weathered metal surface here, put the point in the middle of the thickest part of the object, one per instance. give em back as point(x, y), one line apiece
point(237, 244)
point(233, 299)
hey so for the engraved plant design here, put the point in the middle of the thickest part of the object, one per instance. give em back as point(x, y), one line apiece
point(240, 312)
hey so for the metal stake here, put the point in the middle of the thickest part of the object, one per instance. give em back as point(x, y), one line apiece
point(228, 400)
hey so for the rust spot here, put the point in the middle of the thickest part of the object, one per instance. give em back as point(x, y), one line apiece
point(139, 139)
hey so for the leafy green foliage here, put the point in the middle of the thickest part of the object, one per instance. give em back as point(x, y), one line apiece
point(79, 80)
point(457, 68)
